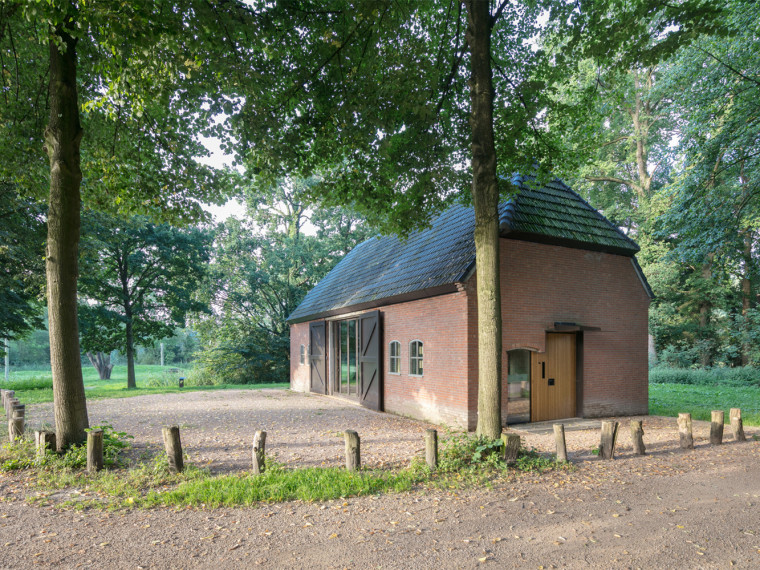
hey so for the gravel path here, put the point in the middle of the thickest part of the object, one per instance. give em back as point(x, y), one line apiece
point(217, 427)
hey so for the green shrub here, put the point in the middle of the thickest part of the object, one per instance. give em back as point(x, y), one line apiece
point(203, 376)
point(32, 383)
point(736, 377)
point(461, 452)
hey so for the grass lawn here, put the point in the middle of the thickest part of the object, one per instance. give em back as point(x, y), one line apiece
point(699, 401)
point(35, 386)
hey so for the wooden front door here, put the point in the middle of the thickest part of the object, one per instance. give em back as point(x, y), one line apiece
point(553, 379)
point(317, 356)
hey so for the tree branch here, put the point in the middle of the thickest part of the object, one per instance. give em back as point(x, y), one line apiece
point(729, 67)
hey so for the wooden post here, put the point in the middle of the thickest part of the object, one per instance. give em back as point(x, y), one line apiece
point(431, 448)
point(637, 437)
point(559, 441)
point(609, 438)
point(511, 443)
point(173, 447)
point(12, 401)
point(716, 428)
point(259, 446)
point(684, 431)
point(94, 450)
point(735, 416)
point(16, 422)
point(44, 441)
point(353, 456)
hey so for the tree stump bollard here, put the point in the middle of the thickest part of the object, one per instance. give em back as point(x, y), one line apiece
point(511, 442)
point(16, 422)
point(637, 437)
point(559, 442)
point(9, 409)
point(609, 438)
point(8, 395)
point(737, 426)
point(431, 448)
point(258, 453)
point(94, 450)
point(44, 441)
point(716, 427)
point(173, 447)
point(2, 396)
point(353, 455)
point(684, 431)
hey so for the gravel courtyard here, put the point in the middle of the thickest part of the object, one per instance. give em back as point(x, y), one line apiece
point(307, 430)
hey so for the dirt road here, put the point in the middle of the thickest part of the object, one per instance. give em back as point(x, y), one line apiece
point(669, 509)
point(702, 518)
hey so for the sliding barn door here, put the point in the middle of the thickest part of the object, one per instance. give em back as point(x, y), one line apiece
point(317, 357)
point(370, 361)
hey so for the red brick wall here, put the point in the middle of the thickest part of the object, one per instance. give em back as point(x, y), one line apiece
point(441, 394)
point(544, 284)
point(299, 373)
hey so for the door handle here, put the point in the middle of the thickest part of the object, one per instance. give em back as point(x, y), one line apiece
point(543, 369)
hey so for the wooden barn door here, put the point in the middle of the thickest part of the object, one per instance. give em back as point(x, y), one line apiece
point(370, 361)
point(317, 357)
point(553, 379)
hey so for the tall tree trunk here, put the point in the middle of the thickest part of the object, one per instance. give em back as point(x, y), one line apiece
point(62, 138)
point(746, 296)
point(485, 196)
point(130, 352)
point(704, 313)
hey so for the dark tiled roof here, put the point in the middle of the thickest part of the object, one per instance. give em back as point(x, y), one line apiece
point(556, 214)
point(385, 269)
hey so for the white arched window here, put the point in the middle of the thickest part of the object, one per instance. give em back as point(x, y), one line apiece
point(394, 357)
point(415, 358)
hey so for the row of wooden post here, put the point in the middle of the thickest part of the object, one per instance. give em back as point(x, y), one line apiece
point(45, 440)
point(609, 432)
point(14, 413)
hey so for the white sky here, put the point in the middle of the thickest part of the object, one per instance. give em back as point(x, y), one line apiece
point(218, 159)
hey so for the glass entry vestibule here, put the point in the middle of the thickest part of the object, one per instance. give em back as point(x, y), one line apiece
point(345, 358)
point(518, 386)
point(346, 377)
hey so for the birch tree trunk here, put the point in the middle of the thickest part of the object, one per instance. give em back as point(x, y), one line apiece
point(62, 138)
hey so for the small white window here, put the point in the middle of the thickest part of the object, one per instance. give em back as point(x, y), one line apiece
point(415, 358)
point(303, 354)
point(394, 357)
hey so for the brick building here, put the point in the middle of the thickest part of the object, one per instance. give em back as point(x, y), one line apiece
point(394, 324)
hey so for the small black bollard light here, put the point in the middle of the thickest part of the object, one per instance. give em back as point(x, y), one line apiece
point(181, 381)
